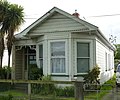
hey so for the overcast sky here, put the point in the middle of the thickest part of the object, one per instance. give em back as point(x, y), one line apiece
point(92, 11)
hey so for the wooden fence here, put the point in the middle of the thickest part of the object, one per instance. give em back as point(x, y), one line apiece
point(78, 86)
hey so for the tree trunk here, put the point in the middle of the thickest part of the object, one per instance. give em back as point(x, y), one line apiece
point(1, 62)
point(8, 69)
point(2, 47)
point(9, 60)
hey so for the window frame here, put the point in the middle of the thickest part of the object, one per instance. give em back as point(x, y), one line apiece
point(50, 57)
point(106, 61)
point(90, 55)
point(40, 58)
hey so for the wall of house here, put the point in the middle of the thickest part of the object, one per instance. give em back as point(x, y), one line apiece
point(19, 64)
point(70, 40)
point(105, 60)
point(58, 27)
point(83, 37)
point(57, 23)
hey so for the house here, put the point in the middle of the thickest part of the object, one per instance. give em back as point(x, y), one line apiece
point(65, 46)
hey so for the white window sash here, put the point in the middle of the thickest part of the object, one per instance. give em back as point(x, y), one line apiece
point(58, 63)
point(83, 57)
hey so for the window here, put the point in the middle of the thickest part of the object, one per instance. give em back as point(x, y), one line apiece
point(41, 55)
point(30, 56)
point(106, 65)
point(83, 56)
point(32, 59)
point(109, 62)
point(58, 57)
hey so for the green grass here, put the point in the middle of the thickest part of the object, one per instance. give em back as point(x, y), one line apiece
point(14, 93)
point(105, 88)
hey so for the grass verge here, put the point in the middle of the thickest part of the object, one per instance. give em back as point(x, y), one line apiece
point(104, 90)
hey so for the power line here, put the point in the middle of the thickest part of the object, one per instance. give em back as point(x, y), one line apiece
point(29, 18)
point(106, 15)
point(110, 15)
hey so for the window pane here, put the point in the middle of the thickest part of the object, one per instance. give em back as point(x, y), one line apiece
point(34, 57)
point(31, 50)
point(31, 57)
point(82, 65)
point(40, 51)
point(58, 49)
point(58, 65)
point(26, 61)
point(41, 63)
point(32, 62)
point(82, 49)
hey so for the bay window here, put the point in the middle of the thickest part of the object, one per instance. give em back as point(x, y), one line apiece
point(83, 56)
point(41, 55)
point(58, 57)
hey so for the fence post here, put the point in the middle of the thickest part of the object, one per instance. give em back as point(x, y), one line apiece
point(29, 91)
point(79, 95)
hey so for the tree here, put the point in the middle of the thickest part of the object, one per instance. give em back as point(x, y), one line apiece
point(2, 47)
point(117, 55)
point(117, 52)
point(13, 18)
point(3, 9)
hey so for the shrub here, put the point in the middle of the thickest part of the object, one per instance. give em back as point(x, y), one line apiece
point(91, 79)
point(4, 71)
point(67, 91)
point(7, 86)
point(35, 73)
point(43, 89)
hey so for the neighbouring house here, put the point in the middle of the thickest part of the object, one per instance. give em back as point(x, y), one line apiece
point(65, 46)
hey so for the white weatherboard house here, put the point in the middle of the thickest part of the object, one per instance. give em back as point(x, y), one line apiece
point(65, 46)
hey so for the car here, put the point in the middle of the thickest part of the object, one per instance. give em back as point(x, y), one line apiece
point(118, 75)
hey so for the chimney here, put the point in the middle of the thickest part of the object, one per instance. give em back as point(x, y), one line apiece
point(76, 14)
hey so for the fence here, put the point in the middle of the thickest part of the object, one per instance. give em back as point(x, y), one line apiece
point(51, 90)
point(98, 90)
point(42, 90)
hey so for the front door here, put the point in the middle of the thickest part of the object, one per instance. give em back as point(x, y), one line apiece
point(30, 59)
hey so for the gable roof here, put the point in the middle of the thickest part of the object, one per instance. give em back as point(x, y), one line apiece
point(48, 15)
point(24, 33)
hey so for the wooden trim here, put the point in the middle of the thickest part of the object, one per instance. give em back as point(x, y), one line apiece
point(36, 81)
point(60, 75)
point(82, 75)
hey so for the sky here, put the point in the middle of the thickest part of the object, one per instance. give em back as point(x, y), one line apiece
point(102, 13)
point(89, 10)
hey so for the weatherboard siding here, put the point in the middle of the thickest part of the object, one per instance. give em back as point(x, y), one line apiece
point(58, 22)
point(104, 59)
point(100, 55)
point(18, 64)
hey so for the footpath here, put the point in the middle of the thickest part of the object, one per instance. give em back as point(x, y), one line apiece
point(113, 95)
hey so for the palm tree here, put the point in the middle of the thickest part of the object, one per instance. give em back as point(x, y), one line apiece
point(11, 17)
point(3, 9)
point(2, 47)
point(13, 20)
